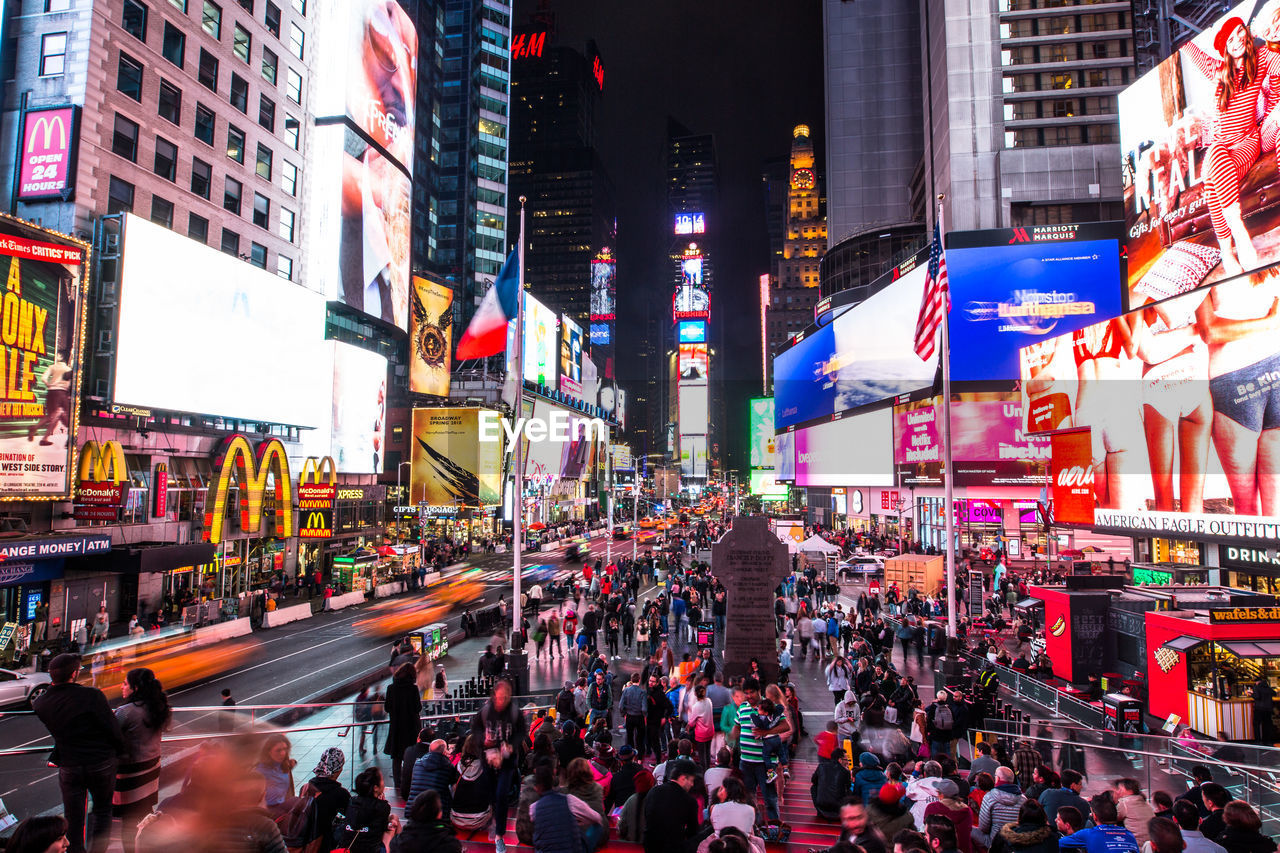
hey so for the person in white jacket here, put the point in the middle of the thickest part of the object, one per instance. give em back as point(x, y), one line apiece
point(924, 790)
point(838, 674)
point(848, 715)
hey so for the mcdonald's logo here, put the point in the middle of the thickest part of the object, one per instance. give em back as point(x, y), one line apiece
point(317, 494)
point(318, 524)
point(316, 469)
point(102, 463)
point(48, 123)
point(236, 458)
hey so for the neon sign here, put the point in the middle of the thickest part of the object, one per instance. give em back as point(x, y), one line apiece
point(529, 45)
point(691, 223)
point(597, 71)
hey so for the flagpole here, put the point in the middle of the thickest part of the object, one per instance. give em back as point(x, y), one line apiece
point(517, 503)
point(948, 470)
point(608, 543)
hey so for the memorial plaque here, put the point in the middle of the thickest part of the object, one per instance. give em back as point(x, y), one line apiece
point(750, 561)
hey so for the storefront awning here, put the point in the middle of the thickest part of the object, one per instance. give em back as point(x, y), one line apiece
point(1183, 643)
point(1253, 650)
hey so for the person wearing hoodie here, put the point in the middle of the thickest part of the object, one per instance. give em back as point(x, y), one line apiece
point(923, 790)
point(887, 812)
point(1031, 834)
point(426, 830)
point(1133, 809)
point(956, 809)
point(1000, 805)
point(869, 779)
point(1243, 833)
point(848, 715)
point(434, 772)
point(830, 785)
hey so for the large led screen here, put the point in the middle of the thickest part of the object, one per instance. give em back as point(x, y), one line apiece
point(765, 485)
point(359, 409)
point(566, 452)
point(760, 443)
point(1180, 399)
point(1006, 295)
point(784, 456)
point(570, 357)
point(449, 465)
point(693, 409)
point(693, 456)
point(541, 343)
point(856, 450)
point(690, 303)
point(431, 327)
point(1198, 168)
point(691, 332)
point(989, 442)
point(694, 364)
point(200, 331)
point(43, 314)
point(863, 357)
point(604, 276)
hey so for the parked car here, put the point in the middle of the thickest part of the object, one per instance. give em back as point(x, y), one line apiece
point(863, 565)
point(19, 687)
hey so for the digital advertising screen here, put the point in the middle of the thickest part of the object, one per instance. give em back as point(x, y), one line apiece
point(760, 445)
point(855, 450)
point(690, 303)
point(602, 334)
point(570, 356)
point(864, 356)
point(359, 409)
point(1178, 236)
point(691, 223)
point(693, 455)
point(989, 443)
point(784, 456)
point(765, 485)
point(46, 160)
point(541, 343)
point(1007, 294)
point(43, 318)
point(694, 364)
point(691, 332)
point(430, 330)
point(691, 272)
point(604, 277)
point(693, 413)
point(260, 353)
point(622, 458)
point(1177, 400)
point(449, 463)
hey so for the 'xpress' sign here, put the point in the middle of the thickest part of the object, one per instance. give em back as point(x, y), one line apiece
point(45, 159)
point(71, 546)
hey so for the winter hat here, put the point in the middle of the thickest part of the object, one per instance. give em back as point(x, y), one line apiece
point(946, 788)
point(331, 762)
point(868, 759)
point(1224, 32)
point(892, 793)
point(570, 728)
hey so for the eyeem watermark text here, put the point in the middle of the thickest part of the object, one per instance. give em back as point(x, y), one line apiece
point(559, 427)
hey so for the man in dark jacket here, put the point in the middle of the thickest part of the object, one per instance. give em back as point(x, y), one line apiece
point(598, 698)
point(500, 724)
point(1215, 799)
point(671, 812)
point(623, 784)
point(427, 828)
point(411, 755)
point(830, 785)
point(656, 710)
point(86, 745)
point(433, 772)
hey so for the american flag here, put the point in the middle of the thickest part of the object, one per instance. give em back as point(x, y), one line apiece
point(936, 301)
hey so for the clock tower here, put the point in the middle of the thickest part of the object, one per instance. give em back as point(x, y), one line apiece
point(794, 290)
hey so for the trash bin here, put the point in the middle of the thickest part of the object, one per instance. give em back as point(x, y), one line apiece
point(1122, 715)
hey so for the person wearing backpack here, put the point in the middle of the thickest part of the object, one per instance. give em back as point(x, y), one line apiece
point(369, 825)
point(309, 825)
point(941, 728)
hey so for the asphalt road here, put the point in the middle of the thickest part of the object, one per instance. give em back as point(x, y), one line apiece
point(294, 664)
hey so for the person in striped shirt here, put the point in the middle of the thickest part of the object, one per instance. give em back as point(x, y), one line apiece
point(751, 747)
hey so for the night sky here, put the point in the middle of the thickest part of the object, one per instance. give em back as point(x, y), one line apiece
point(746, 71)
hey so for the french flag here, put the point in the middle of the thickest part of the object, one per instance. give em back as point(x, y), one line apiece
point(487, 333)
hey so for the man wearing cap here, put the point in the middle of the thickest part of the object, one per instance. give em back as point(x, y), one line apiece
point(953, 809)
point(624, 777)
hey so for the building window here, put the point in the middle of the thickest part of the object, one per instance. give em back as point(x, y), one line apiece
point(241, 41)
point(57, 5)
point(247, 5)
point(201, 177)
point(239, 93)
point(211, 19)
point(267, 113)
point(258, 255)
point(166, 163)
point(235, 143)
point(289, 178)
point(293, 86)
point(198, 228)
point(181, 4)
point(124, 139)
point(284, 267)
point(53, 54)
point(170, 102)
point(291, 128)
point(134, 19)
point(270, 65)
point(231, 195)
point(174, 48)
point(287, 219)
point(230, 242)
point(128, 76)
point(205, 121)
point(300, 6)
point(261, 210)
point(272, 19)
point(296, 39)
point(263, 167)
point(208, 70)
point(120, 196)
point(161, 211)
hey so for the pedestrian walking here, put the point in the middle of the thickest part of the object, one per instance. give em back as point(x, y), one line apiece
point(501, 726)
point(403, 706)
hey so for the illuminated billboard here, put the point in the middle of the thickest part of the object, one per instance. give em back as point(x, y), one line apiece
point(430, 330)
point(46, 160)
point(693, 456)
point(259, 353)
point(570, 357)
point(784, 456)
point(989, 445)
point(541, 343)
point(693, 412)
point(691, 271)
point(855, 450)
point(691, 223)
point(760, 444)
point(765, 485)
point(359, 409)
point(604, 277)
point(1013, 287)
point(42, 321)
point(1179, 400)
point(693, 364)
point(602, 334)
point(449, 463)
point(864, 356)
point(1191, 219)
point(690, 303)
point(691, 332)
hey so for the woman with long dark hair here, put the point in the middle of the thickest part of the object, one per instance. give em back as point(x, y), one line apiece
point(40, 835)
point(143, 719)
point(276, 766)
point(404, 711)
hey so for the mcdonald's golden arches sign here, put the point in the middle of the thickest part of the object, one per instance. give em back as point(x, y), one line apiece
point(236, 458)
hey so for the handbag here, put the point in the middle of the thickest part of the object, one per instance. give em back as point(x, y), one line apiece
point(473, 821)
point(891, 714)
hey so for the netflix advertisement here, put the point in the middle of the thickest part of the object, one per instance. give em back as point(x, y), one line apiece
point(989, 445)
point(1072, 477)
